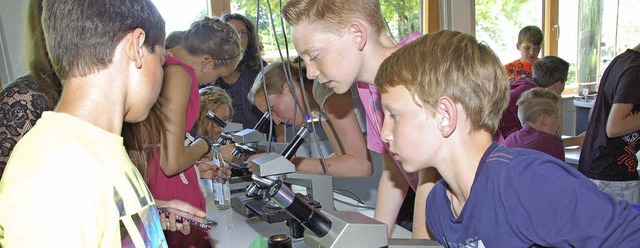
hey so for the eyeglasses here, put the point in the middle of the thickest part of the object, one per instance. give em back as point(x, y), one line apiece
point(243, 33)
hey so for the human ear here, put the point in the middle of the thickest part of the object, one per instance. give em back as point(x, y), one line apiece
point(136, 52)
point(358, 33)
point(446, 116)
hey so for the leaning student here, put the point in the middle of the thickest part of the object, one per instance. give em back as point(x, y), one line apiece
point(490, 196)
point(351, 157)
point(343, 42)
point(69, 181)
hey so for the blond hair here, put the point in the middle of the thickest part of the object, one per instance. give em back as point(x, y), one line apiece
point(210, 98)
point(275, 78)
point(537, 102)
point(334, 15)
point(453, 64)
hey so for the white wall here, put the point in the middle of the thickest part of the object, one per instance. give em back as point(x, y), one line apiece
point(458, 15)
point(12, 26)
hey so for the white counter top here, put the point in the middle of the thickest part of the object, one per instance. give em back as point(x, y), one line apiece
point(235, 230)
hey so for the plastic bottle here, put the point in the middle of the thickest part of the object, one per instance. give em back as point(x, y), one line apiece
point(221, 192)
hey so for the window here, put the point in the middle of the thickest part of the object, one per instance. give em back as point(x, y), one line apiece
point(499, 21)
point(402, 16)
point(178, 15)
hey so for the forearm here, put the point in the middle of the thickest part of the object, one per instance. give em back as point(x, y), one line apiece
point(621, 121)
point(391, 193)
point(339, 166)
point(624, 126)
point(428, 178)
point(177, 159)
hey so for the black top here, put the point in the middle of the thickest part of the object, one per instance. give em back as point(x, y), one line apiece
point(613, 159)
point(244, 111)
point(21, 104)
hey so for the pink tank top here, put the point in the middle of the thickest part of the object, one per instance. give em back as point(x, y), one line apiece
point(186, 189)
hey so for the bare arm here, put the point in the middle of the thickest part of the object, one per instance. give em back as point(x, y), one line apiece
point(175, 156)
point(574, 140)
point(621, 121)
point(345, 136)
point(428, 178)
point(391, 192)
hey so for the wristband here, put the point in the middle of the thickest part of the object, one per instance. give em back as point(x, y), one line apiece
point(209, 144)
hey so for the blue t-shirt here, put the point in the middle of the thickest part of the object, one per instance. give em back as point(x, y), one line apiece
point(525, 198)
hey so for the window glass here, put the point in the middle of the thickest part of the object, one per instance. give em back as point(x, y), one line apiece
point(499, 21)
point(568, 40)
point(403, 17)
point(178, 15)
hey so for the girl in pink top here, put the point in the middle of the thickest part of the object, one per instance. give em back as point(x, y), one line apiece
point(208, 50)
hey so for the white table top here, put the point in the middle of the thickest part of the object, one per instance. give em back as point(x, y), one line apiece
point(235, 230)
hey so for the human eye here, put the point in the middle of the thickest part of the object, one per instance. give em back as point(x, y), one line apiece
point(314, 57)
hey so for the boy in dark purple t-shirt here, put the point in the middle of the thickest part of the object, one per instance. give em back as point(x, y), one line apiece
point(442, 113)
point(548, 72)
point(539, 110)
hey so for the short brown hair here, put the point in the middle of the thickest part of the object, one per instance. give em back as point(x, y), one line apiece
point(333, 15)
point(537, 102)
point(82, 35)
point(531, 34)
point(453, 64)
point(275, 78)
point(549, 70)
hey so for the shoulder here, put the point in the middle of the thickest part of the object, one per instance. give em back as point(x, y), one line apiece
point(21, 86)
point(513, 63)
point(321, 92)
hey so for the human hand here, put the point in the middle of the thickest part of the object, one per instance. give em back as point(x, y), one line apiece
point(254, 156)
point(226, 150)
point(177, 207)
point(208, 169)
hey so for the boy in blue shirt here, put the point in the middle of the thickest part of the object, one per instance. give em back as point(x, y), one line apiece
point(448, 106)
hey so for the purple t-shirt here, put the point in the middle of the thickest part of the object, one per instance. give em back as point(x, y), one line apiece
point(509, 122)
point(370, 98)
point(524, 198)
point(530, 138)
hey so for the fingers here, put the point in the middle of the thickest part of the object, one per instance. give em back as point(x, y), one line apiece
point(181, 208)
point(172, 222)
point(164, 222)
point(185, 228)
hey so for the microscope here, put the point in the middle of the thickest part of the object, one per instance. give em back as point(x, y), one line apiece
point(273, 166)
point(332, 228)
point(228, 128)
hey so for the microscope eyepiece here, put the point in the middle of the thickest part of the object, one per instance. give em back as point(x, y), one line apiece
point(212, 116)
point(264, 120)
point(295, 143)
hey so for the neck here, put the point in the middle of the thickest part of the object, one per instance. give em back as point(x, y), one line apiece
point(180, 53)
point(375, 52)
point(460, 163)
point(79, 98)
point(313, 105)
point(637, 48)
point(232, 78)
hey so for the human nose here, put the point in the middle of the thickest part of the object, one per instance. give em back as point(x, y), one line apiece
point(276, 119)
point(385, 131)
point(312, 71)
